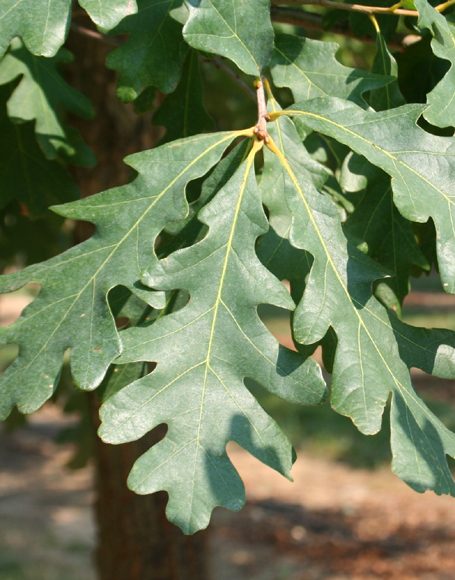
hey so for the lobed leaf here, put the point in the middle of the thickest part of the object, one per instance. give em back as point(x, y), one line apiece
point(421, 165)
point(108, 13)
point(238, 30)
point(43, 96)
point(367, 367)
point(198, 386)
point(154, 53)
point(43, 24)
point(71, 310)
point(296, 64)
point(441, 100)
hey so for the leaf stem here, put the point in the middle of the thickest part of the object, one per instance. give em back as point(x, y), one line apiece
point(444, 5)
point(375, 23)
point(286, 113)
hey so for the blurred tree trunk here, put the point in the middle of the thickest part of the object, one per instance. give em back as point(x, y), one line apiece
point(135, 541)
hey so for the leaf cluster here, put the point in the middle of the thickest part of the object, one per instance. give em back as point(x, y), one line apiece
point(327, 206)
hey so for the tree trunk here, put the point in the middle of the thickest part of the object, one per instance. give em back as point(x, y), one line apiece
point(135, 541)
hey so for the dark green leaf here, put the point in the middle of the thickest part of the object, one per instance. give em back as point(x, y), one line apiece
point(375, 221)
point(154, 53)
point(238, 30)
point(25, 174)
point(43, 96)
point(183, 112)
point(389, 95)
point(297, 64)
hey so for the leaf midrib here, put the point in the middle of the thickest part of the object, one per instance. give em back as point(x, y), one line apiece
point(218, 300)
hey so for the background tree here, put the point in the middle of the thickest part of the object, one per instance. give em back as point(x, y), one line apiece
point(358, 194)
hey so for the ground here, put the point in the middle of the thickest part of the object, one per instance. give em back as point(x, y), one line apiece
point(333, 521)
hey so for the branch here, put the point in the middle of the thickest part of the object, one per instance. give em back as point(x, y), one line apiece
point(260, 130)
point(392, 10)
point(314, 22)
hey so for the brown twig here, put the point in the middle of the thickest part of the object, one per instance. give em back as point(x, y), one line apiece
point(392, 10)
point(313, 21)
point(260, 129)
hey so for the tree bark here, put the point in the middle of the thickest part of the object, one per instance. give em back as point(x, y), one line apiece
point(135, 541)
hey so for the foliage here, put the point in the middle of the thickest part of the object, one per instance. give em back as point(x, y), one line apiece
point(346, 192)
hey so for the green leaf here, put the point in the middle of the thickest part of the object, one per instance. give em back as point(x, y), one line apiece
point(198, 386)
point(421, 165)
point(108, 13)
point(71, 310)
point(183, 112)
point(389, 95)
point(238, 30)
point(296, 64)
point(274, 249)
point(441, 100)
point(154, 53)
point(367, 366)
point(25, 174)
point(376, 221)
point(41, 24)
point(43, 96)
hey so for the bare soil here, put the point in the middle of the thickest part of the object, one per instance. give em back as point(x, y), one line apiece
point(331, 522)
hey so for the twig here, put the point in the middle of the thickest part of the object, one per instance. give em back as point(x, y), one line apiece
point(93, 34)
point(228, 71)
point(313, 21)
point(260, 129)
point(350, 7)
point(392, 10)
